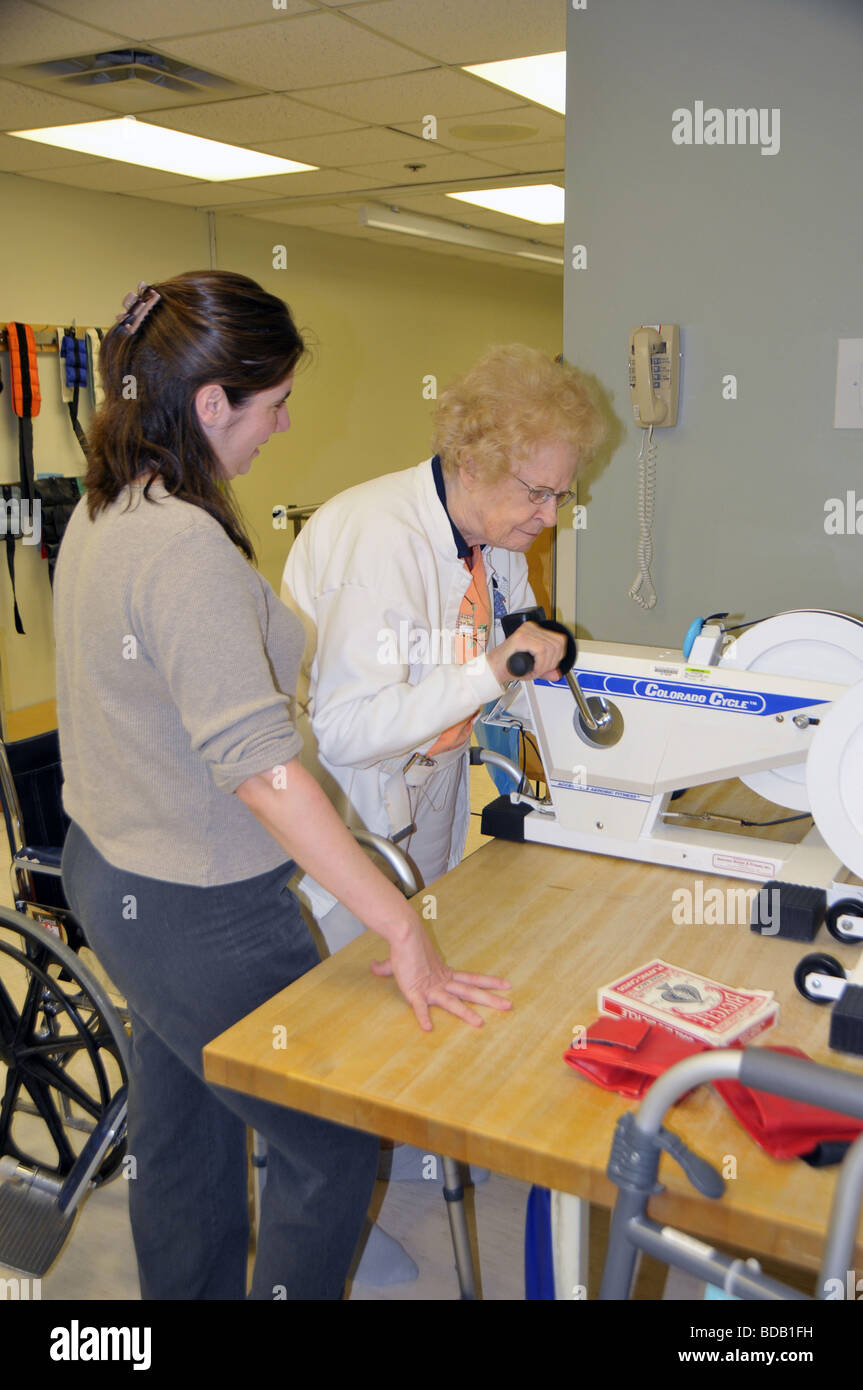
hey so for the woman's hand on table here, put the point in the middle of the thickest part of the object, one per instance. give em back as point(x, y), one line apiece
point(424, 979)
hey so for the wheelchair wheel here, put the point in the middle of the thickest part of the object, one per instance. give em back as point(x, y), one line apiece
point(63, 1051)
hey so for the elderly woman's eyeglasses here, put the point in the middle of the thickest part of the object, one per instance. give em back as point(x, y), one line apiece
point(540, 495)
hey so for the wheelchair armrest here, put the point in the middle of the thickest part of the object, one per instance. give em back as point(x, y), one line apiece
point(395, 857)
point(43, 859)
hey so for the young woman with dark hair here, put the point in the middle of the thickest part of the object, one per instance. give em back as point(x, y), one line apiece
point(176, 671)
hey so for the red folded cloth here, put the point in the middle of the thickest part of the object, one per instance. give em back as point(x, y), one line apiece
point(786, 1128)
point(627, 1055)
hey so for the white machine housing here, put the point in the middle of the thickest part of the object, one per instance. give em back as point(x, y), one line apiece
point(684, 724)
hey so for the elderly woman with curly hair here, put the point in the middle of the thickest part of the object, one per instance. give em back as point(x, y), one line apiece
point(401, 583)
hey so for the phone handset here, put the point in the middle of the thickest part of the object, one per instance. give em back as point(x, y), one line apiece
point(647, 407)
point(653, 381)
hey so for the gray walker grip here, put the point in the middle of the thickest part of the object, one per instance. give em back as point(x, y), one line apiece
point(634, 1164)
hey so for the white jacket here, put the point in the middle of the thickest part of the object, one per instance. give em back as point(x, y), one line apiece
point(373, 570)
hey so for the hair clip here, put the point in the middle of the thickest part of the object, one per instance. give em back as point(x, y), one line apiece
point(138, 305)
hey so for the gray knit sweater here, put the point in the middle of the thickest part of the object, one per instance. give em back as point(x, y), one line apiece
point(176, 667)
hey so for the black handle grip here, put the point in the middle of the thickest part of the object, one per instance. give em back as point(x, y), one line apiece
point(521, 663)
point(510, 621)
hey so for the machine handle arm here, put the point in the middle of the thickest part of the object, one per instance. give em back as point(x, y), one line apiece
point(521, 663)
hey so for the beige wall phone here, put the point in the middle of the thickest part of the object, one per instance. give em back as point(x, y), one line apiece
point(654, 375)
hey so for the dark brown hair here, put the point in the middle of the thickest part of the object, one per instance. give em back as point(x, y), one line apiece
point(208, 326)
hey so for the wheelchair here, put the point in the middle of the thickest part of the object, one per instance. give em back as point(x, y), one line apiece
point(64, 1047)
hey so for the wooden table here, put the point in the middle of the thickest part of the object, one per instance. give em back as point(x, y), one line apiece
point(341, 1044)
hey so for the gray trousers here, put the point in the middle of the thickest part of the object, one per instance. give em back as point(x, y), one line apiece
point(191, 962)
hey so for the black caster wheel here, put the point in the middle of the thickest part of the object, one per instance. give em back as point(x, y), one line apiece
point(823, 965)
point(846, 907)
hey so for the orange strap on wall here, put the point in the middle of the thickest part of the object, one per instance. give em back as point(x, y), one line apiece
point(26, 403)
point(26, 397)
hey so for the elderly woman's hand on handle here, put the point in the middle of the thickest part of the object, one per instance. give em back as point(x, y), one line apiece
point(302, 819)
point(547, 649)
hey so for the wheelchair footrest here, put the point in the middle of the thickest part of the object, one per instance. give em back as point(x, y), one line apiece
point(33, 1229)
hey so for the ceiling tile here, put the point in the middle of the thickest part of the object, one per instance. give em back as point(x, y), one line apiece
point(409, 97)
point(299, 52)
point(528, 159)
point(545, 125)
point(351, 147)
point(164, 18)
point(20, 156)
point(322, 181)
point(107, 176)
point(126, 98)
point(32, 35)
point(443, 169)
point(25, 108)
point(479, 32)
point(250, 120)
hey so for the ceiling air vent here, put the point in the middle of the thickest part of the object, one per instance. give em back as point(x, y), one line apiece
point(124, 79)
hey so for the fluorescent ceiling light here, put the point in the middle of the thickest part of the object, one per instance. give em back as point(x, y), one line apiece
point(137, 142)
point(438, 229)
point(539, 202)
point(541, 79)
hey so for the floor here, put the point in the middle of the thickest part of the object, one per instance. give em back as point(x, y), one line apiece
point(98, 1261)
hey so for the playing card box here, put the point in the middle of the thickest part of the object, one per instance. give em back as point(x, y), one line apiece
point(690, 1005)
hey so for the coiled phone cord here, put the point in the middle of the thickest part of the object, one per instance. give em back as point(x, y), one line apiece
point(646, 496)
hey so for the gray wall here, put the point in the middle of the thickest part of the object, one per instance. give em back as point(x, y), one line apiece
point(758, 258)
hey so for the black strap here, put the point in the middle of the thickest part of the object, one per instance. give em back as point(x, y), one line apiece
point(25, 422)
point(7, 493)
point(25, 459)
point(73, 416)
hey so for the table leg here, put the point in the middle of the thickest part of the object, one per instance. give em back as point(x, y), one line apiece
point(259, 1173)
point(453, 1191)
point(570, 1245)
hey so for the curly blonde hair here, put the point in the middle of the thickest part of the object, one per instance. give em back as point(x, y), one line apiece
point(512, 399)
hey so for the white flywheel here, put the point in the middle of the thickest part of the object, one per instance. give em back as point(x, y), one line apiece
point(811, 644)
point(834, 778)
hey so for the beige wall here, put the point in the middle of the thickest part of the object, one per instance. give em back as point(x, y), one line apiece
point(382, 319)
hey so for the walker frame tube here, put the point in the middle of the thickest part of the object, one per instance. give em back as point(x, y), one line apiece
point(634, 1164)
